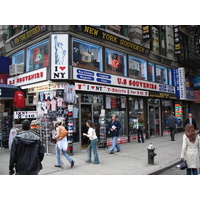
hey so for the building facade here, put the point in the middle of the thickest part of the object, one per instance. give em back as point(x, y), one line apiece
point(81, 72)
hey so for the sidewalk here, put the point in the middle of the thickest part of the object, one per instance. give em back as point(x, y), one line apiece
point(131, 160)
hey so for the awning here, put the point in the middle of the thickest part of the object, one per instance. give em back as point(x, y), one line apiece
point(7, 91)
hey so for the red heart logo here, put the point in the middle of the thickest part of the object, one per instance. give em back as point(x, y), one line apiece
point(92, 87)
point(62, 68)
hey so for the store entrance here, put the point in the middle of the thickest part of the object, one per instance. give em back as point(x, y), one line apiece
point(92, 112)
point(154, 117)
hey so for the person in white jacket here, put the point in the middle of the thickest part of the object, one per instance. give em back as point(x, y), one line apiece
point(191, 150)
point(93, 143)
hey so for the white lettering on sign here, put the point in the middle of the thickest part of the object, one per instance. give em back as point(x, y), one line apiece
point(28, 78)
point(25, 114)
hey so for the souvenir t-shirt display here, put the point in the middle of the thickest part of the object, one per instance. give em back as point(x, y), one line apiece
point(19, 99)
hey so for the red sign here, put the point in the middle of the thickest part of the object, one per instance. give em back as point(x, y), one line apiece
point(3, 78)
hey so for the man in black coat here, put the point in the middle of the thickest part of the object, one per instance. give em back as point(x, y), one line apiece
point(191, 120)
point(27, 152)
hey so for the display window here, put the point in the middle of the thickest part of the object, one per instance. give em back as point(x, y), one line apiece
point(116, 105)
point(37, 56)
point(115, 63)
point(18, 58)
point(137, 68)
point(136, 115)
point(87, 55)
point(150, 72)
point(161, 74)
point(169, 76)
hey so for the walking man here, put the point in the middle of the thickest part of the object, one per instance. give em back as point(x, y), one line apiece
point(191, 120)
point(171, 123)
point(114, 126)
point(27, 152)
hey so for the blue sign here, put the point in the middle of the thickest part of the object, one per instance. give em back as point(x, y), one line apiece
point(101, 80)
point(87, 78)
point(106, 76)
point(85, 72)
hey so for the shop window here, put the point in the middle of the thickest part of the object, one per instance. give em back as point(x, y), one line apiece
point(136, 111)
point(158, 42)
point(137, 68)
point(37, 56)
point(116, 105)
point(87, 55)
point(161, 74)
point(169, 76)
point(150, 72)
point(18, 58)
point(115, 63)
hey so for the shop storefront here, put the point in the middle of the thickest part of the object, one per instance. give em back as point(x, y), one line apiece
point(97, 80)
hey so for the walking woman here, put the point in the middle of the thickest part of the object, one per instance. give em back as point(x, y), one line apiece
point(61, 144)
point(93, 143)
point(191, 149)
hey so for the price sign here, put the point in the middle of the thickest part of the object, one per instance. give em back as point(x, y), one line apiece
point(25, 114)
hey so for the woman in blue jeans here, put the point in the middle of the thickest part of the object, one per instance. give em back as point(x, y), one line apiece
point(61, 145)
point(93, 143)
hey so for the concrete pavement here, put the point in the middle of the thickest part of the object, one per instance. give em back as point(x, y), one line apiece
point(131, 160)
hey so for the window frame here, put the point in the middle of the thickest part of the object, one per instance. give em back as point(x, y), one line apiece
point(166, 74)
point(116, 52)
point(13, 57)
point(28, 49)
point(90, 44)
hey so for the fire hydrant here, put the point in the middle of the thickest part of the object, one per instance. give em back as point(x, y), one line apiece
point(151, 153)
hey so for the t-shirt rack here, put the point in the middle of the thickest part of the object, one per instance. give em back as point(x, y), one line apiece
point(102, 132)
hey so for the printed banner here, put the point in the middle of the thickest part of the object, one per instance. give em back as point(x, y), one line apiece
point(59, 56)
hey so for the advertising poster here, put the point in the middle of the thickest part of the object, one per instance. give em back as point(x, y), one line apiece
point(59, 56)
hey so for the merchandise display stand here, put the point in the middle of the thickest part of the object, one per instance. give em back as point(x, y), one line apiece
point(70, 129)
point(102, 139)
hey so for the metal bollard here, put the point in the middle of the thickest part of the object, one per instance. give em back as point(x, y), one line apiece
point(151, 154)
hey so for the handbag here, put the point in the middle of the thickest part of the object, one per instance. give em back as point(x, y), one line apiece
point(183, 165)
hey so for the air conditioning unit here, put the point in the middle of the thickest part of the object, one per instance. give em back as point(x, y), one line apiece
point(16, 69)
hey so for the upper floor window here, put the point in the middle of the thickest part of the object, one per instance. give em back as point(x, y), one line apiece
point(150, 72)
point(15, 29)
point(87, 55)
point(37, 56)
point(161, 74)
point(158, 42)
point(120, 29)
point(169, 76)
point(137, 68)
point(18, 58)
point(115, 63)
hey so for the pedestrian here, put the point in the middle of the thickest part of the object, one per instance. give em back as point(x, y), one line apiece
point(114, 127)
point(191, 120)
point(172, 121)
point(61, 144)
point(140, 129)
point(27, 152)
point(191, 150)
point(91, 134)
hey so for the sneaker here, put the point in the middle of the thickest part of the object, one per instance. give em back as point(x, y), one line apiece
point(111, 152)
point(57, 165)
point(88, 161)
point(72, 163)
point(118, 150)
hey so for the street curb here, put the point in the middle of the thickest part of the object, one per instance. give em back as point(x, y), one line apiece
point(164, 169)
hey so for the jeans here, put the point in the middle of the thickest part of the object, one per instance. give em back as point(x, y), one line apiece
point(64, 154)
point(172, 133)
point(191, 171)
point(93, 146)
point(140, 133)
point(114, 144)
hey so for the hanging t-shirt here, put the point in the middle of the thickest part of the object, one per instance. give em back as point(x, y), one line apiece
point(95, 99)
point(59, 101)
point(123, 102)
point(53, 105)
point(118, 102)
point(113, 102)
point(48, 103)
point(70, 94)
point(108, 102)
point(19, 99)
point(136, 105)
point(75, 112)
point(141, 103)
